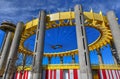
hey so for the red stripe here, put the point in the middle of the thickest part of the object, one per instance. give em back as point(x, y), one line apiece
point(50, 74)
point(61, 74)
point(46, 76)
point(111, 74)
point(20, 76)
point(108, 73)
point(99, 74)
point(54, 74)
point(68, 74)
point(26, 74)
point(104, 74)
point(75, 74)
point(16, 75)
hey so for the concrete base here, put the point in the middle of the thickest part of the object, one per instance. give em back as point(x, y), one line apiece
point(37, 75)
point(6, 76)
point(85, 76)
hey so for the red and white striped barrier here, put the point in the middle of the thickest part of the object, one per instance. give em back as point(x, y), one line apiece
point(109, 74)
point(68, 74)
point(61, 74)
point(22, 75)
point(51, 74)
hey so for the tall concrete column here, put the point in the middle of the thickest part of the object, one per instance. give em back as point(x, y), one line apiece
point(6, 49)
point(83, 52)
point(115, 32)
point(8, 27)
point(13, 50)
point(39, 46)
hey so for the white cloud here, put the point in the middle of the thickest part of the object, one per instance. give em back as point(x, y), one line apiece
point(17, 10)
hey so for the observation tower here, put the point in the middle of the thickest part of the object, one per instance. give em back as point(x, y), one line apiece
point(64, 57)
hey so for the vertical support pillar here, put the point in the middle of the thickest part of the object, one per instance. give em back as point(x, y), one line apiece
point(39, 46)
point(99, 57)
point(83, 52)
point(13, 50)
point(61, 60)
point(6, 49)
point(73, 59)
point(115, 32)
point(24, 60)
point(49, 60)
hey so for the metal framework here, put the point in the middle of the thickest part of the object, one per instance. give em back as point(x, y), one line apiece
point(62, 19)
point(94, 20)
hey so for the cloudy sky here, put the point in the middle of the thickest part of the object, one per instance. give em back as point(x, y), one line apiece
point(26, 10)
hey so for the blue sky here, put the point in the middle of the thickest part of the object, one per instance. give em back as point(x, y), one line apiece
point(26, 10)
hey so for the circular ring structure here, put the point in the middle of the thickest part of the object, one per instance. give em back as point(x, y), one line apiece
point(94, 20)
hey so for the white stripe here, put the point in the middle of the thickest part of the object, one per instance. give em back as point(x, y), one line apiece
point(44, 74)
point(71, 74)
point(110, 74)
point(49, 74)
point(101, 74)
point(78, 72)
point(114, 75)
point(29, 75)
point(117, 74)
point(65, 72)
point(18, 75)
point(57, 74)
point(106, 71)
point(53, 74)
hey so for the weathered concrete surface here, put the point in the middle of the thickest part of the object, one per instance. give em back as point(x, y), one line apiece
point(39, 46)
point(115, 33)
point(83, 52)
